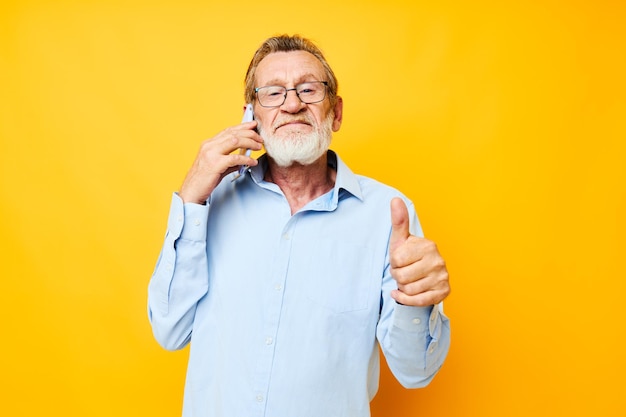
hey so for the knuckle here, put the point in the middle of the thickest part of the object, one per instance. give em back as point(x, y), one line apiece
point(228, 131)
point(411, 290)
point(430, 246)
point(394, 258)
point(443, 276)
point(440, 263)
point(400, 276)
point(402, 257)
point(206, 145)
point(233, 159)
point(233, 139)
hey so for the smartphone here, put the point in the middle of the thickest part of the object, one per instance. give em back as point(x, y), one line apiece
point(248, 116)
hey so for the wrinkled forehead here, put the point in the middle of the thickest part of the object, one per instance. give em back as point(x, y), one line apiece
point(288, 69)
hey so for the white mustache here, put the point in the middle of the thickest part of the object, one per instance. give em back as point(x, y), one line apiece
point(286, 121)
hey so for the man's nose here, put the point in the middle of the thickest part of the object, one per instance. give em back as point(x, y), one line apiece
point(292, 103)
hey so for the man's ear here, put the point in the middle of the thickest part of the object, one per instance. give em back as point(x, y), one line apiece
point(338, 114)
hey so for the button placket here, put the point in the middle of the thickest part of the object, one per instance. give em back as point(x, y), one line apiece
point(275, 293)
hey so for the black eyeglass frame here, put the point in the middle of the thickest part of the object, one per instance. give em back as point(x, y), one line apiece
point(287, 90)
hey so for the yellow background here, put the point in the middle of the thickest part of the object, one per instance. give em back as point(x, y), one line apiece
point(504, 121)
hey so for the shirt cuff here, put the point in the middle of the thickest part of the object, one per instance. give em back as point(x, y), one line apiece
point(415, 319)
point(188, 220)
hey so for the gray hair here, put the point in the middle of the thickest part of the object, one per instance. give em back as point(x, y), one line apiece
point(286, 43)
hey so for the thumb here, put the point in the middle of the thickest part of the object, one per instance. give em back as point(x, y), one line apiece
point(399, 223)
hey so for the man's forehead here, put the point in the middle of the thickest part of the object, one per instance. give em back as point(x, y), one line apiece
point(286, 67)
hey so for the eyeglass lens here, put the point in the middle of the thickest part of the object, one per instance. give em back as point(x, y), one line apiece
point(274, 96)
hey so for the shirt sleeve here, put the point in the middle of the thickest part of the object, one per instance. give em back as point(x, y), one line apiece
point(180, 278)
point(414, 340)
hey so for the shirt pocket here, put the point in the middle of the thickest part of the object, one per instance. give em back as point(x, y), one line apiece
point(339, 276)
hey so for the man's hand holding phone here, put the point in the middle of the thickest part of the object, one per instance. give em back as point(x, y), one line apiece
point(217, 158)
point(248, 116)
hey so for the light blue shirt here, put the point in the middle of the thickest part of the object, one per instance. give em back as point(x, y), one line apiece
point(286, 314)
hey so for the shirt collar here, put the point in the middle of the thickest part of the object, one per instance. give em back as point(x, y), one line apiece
point(345, 180)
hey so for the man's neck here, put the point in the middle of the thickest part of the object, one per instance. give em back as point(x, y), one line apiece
point(302, 184)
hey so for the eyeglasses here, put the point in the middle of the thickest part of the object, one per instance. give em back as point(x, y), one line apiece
point(275, 95)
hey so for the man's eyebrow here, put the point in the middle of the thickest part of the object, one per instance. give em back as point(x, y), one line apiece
point(302, 79)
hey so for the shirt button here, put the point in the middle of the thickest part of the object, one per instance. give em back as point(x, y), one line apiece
point(278, 287)
point(269, 340)
point(180, 218)
point(197, 222)
point(416, 321)
point(259, 398)
point(433, 345)
point(286, 236)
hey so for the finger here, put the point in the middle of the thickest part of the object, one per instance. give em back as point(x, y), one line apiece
point(218, 155)
point(235, 138)
point(242, 159)
point(248, 125)
point(420, 286)
point(419, 300)
point(410, 253)
point(399, 224)
point(408, 273)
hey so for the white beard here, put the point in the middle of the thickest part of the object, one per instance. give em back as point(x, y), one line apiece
point(297, 147)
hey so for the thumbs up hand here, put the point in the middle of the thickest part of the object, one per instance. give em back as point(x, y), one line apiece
point(416, 264)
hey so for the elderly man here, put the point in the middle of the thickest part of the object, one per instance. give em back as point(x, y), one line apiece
point(287, 279)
